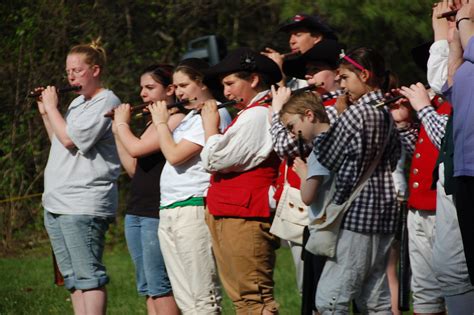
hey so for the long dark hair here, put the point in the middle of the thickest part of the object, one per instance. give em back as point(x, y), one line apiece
point(372, 61)
point(161, 73)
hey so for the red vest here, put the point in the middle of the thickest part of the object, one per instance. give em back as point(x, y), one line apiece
point(243, 194)
point(422, 197)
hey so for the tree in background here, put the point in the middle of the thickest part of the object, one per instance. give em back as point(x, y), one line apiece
point(36, 36)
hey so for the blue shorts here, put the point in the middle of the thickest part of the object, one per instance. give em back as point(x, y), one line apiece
point(144, 247)
point(78, 244)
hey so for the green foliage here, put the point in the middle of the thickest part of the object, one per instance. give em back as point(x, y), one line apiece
point(392, 27)
point(36, 36)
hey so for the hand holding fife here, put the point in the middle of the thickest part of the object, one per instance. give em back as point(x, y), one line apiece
point(39, 100)
point(49, 97)
point(274, 55)
point(159, 113)
point(300, 168)
point(417, 95)
point(466, 10)
point(400, 111)
point(280, 97)
point(443, 28)
point(210, 117)
point(122, 114)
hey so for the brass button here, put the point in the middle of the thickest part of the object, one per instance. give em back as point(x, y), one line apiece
point(291, 204)
point(301, 209)
point(440, 100)
point(416, 185)
point(415, 171)
point(417, 156)
point(421, 140)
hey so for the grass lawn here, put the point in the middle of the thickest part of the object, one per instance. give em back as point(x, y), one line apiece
point(26, 286)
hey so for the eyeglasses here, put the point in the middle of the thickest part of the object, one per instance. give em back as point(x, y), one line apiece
point(77, 72)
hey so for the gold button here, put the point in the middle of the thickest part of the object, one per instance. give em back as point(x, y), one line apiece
point(421, 140)
point(417, 156)
point(415, 171)
point(440, 100)
point(415, 185)
point(301, 209)
point(292, 205)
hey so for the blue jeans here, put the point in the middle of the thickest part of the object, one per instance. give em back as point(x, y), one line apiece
point(143, 244)
point(78, 244)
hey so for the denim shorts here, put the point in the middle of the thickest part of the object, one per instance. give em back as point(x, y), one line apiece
point(78, 244)
point(143, 244)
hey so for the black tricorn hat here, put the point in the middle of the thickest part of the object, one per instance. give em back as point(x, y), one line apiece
point(420, 55)
point(324, 53)
point(309, 22)
point(243, 59)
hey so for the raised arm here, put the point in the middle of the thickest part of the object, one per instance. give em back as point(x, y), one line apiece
point(176, 153)
point(44, 115)
point(55, 118)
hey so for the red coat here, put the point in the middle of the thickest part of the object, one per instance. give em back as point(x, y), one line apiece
point(422, 197)
point(243, 194)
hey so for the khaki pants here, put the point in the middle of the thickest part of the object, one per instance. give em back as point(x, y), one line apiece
point(245, 254)
point(186, 246)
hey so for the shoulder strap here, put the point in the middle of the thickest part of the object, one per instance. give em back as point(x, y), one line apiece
point(373, 166)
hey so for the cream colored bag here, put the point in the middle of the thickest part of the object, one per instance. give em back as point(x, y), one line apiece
point(291, 215)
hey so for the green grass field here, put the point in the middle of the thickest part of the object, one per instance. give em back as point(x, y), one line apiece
point(26, 285)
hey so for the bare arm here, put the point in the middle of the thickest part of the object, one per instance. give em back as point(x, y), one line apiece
point(455, 57)
point(175, 153)
point(139, 146)
point(464, 21)
point(56, 120)
point(309, 186)
point(47, 125)
point(129, 163)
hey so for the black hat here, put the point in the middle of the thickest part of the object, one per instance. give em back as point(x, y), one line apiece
point(324, 53)
point(244, 59)
point(310, 22)
point(420, 55)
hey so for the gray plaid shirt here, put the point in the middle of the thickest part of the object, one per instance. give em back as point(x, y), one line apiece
point(347, 149)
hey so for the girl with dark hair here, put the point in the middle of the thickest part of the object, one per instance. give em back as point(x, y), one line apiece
point(348, 148)
point(143, 161)
point(184, 237)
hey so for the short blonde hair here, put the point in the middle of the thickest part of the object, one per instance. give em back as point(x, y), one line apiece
point(300, 102)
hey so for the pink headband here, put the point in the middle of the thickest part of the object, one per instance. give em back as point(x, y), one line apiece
point(342, 55)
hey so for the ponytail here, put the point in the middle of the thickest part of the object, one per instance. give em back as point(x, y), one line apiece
point(94, 53)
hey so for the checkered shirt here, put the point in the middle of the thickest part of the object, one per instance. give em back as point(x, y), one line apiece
point(348, 149)
point(285, 146)
point(332, 94)
point(435, 126)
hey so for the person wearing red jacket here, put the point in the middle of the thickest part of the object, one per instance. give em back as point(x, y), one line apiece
point(244, 169)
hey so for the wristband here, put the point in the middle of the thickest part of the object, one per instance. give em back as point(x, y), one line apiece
point(459, 21)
